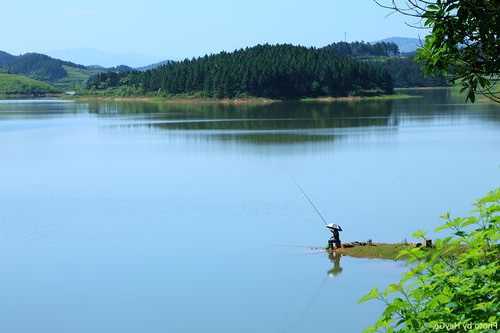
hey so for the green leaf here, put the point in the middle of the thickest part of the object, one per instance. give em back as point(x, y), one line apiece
point(432, 8)
point(373, 294)
point(419, 234)
point(443, 299)
point(392, 288)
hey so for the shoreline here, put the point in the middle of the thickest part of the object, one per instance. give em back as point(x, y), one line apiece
point(176, 100)
point(364, 250)
point(424, 88)
point(358, 98)
point(236, 101)
point(29, 96)
point(385, 251)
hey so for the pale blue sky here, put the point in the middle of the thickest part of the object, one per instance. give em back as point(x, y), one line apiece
point(176, 29)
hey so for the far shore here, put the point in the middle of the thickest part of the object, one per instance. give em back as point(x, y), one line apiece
point(235, 101)
point(177, 100)
point(359, 98)
point(424, 88)
point(29, 96)
point(400, 94)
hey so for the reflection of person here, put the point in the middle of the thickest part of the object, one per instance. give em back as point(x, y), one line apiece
point(335, 239)
point(335, 259)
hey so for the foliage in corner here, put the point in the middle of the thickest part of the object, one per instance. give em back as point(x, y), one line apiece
point(464, 40)
point(452, 287)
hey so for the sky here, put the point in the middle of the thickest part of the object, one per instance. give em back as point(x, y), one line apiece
point(163, 29)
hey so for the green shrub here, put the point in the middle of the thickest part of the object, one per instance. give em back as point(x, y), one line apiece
point(453, 287)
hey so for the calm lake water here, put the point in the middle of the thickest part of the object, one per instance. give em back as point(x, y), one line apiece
point(131, 217)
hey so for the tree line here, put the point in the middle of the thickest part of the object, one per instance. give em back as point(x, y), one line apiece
point(270, 71)
point(407, 73)
point(364, 49)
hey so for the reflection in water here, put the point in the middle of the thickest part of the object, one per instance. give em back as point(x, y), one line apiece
point(335, 259)
point(291, 127)
point(272, 138)
point(39, 109)
point(300, 317)
point(293, 123)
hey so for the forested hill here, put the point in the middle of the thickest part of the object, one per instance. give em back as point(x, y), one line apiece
point(14, 85)
point(271, 71)
point(60, 73)
point(6, 58)
point(37, 66)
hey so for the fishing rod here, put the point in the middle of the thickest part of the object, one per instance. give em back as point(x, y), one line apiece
point(311, 202)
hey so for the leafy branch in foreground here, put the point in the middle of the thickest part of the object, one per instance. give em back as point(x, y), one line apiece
point(452, 287)
point(464, 40)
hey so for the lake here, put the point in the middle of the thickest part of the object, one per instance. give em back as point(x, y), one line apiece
point(141, 217)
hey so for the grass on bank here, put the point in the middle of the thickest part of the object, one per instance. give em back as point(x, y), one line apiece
point(375, 251)
point(390, 251)
point(360, 98)
point(18, 85)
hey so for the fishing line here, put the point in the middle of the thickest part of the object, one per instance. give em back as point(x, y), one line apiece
point(311, 202)
point(301, 316)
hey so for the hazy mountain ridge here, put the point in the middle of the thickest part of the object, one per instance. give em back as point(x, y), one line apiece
point(155, 65)
point(6, 58)
point(405, 44)
point(94, 57)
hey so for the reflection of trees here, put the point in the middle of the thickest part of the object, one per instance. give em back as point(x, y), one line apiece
point(272, 138)
point(293, 123)
point(335, 259)
point(39, 109)
point(277, 123)
point(289, 116)
point(310, 115)
point(438, 104)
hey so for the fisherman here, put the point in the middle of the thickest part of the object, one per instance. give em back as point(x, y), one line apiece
point(334, 228)
point(335, 239)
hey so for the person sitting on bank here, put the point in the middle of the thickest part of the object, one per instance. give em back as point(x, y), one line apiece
point(335, 239)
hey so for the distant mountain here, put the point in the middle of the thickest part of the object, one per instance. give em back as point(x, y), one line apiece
point(90, 57)
point(405, 44)
point(40, 67)
point(60, 73)
point(155, 65)
point(6, 58)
